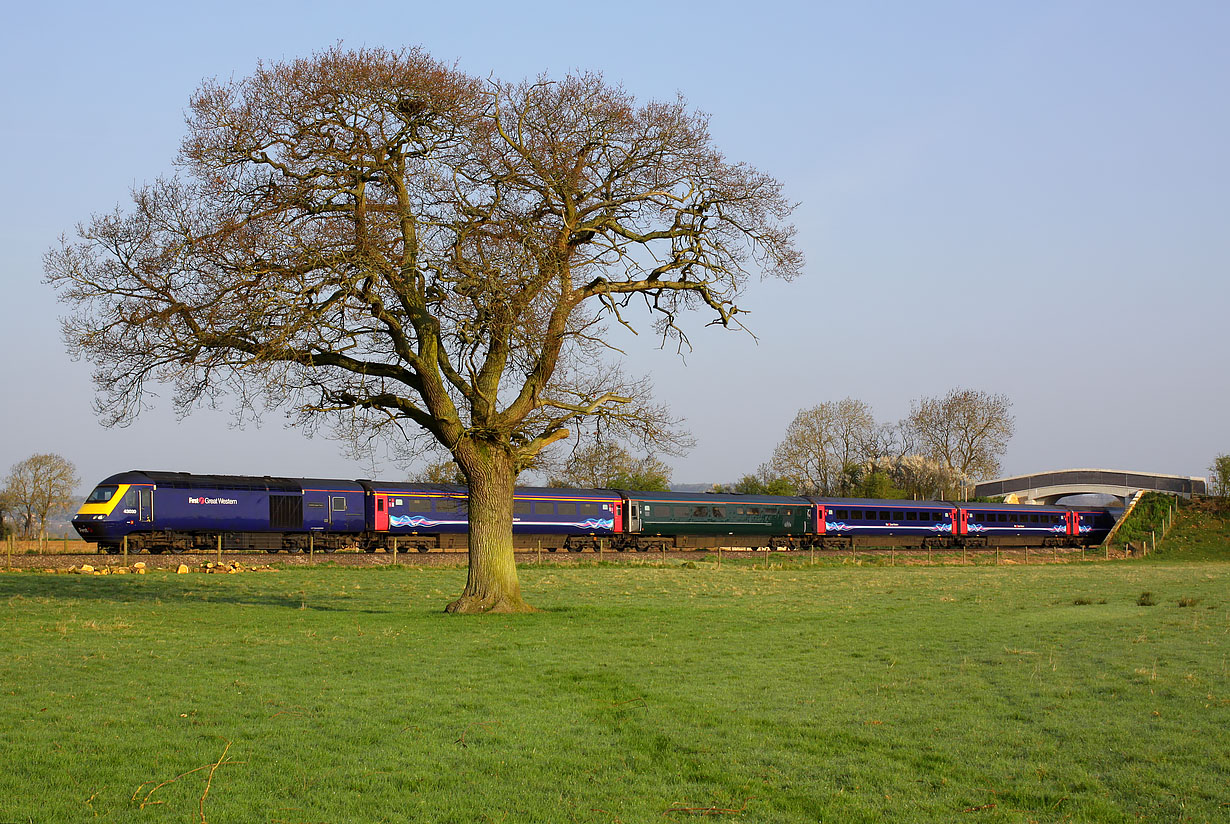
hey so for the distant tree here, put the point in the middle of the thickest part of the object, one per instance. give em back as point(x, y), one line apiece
point(444, 471)
point(764, 482)
point(646, 474)
point(380, 243)
point(878, 484)
point(821, 443)
point(6, 509)
point(39, 488)
point(608, 465)
point(1219, 476)
point(966, 431)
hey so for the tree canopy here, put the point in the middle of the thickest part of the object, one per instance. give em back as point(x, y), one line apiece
point(378, 242)
point(607, 465)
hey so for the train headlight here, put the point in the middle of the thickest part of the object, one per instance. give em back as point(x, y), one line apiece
point(100, 517)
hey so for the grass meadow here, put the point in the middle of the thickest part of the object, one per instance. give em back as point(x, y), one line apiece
point(637, 694)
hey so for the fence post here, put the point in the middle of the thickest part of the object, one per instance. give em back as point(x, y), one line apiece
point(312, 545)
point(219, 547)
point(125, 550)
point(394, 561)
point(601, 542)
point(8, 542)
point(997, 555)
point(1026, 554)
point(540, 551)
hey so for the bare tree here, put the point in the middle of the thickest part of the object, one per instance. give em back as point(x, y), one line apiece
point(966, 431)
point(39, 488)
point(821, 443)
point(383, 244)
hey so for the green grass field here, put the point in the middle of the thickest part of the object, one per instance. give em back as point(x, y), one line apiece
point(796, 694)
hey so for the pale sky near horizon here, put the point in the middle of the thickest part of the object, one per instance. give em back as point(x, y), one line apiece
point(1020, 197)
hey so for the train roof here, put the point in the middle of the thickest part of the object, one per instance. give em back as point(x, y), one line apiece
point(880, 503)
point(189, 480)
point(427, 489)
point(715, 497)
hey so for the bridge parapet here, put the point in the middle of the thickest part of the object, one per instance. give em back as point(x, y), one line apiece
point(1048, 487)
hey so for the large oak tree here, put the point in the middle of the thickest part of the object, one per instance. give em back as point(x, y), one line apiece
point(378, 240)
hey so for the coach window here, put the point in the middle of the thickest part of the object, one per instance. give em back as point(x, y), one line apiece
point(883, 516)
point(339, 504)
point(589, 509)
point(911, 516)
point(700, 512)
point(898, 516)
point(446, 505)
point(521, 507)
point(719, 512)
point(547, 507)
point(1033, 519)
point(856, 514)
point(567, 508)
point(841, 513)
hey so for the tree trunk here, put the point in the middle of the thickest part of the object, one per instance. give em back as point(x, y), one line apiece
point(492, 585)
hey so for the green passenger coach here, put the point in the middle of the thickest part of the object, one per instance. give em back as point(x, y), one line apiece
point(676, 520)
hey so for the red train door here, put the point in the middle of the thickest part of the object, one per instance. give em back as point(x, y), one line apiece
point(820, 515)
point(382, 513)
point(960, 521)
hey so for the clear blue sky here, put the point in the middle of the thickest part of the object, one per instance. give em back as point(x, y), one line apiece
point(1029, 198)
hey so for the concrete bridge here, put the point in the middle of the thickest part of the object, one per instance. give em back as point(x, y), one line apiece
point(1049, 487)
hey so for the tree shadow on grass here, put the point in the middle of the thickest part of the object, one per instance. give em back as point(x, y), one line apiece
point(138, 589)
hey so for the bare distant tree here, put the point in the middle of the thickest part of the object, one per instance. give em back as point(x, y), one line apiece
point(39, 488)
point(607, 465)
point(821, 442)
point(966, 431)
point(887, 440)
point(377, 241)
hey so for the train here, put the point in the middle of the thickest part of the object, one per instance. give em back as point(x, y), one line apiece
point(182, 512)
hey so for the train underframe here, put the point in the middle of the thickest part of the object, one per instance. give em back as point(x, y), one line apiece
point(300, 542)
